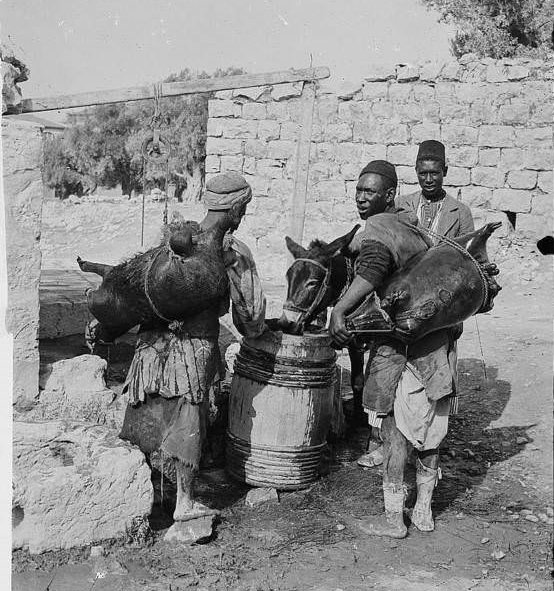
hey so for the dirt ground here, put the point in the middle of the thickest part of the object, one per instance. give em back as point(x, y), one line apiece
point(493, 506)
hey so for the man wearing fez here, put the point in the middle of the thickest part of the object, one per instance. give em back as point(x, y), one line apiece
point(407, 391)
point(174, 368)
point(440, 213)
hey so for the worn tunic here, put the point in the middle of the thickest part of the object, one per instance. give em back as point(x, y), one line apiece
point(174, 367)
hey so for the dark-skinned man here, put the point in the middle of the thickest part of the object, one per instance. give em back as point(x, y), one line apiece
point(407, 390)
point(437, 211)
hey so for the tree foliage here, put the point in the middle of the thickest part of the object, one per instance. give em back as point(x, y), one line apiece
point(102, 145)
point(498, 28)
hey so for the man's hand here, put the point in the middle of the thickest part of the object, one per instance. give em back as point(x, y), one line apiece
point(337, 328)
point(91, 334)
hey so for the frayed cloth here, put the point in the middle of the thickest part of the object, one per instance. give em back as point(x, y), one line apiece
point(172, 365)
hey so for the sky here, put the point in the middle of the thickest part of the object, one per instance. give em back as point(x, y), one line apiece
point(82, 45)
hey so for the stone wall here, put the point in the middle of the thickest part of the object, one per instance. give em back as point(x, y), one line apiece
point(23, 193)
point(495, 118)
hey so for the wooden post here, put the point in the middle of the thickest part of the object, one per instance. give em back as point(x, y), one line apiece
point(123, 95)
point(298, 206)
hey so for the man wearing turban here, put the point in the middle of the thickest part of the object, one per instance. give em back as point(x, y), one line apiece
point(402, 413)
point(174, 367)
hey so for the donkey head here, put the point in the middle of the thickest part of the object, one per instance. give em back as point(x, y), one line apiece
point(315, 280)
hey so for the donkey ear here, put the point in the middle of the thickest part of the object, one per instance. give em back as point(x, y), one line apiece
point(295, 249)
point(339, 243)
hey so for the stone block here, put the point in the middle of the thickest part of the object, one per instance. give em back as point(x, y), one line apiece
point(457, 176)
point(451, 71)
point(231, 163)
point(269, 130)
point(543, 113)
point(253, 93)
point(404, 155)
point(496, 73)
point(272, 169)
point(278, 111)
point(212, 163)
point(223, 146)
point(281, 189)
point(425, 131)
point(259, 184)
point(463, 156)
point(330, 190)
point(546, 181)
point(535, 159)
point(431, 112)
point(533, 226)
point(517, 72)
point(482, 216)
point(191, 531)
point(327, 108)
point(411, 112)
point(214, 127)
point(476, 196)
point(239, 128)
point(516, 113)
point(255, 148)
point(470, 93)
point(350, 171)
point(339, 132)
point(74, 485)
point(355, 111)
point(381, 132)
point(488, 176)
point(373, 152)
point(289, 131)
point(407, 73)
point(406, 174)
point(429, 71)
point(348, 152)
point(423, 93)
point(223, 108)
point(459, 135)
point(481, 113)
point(512, 158)
point(496, 136)
point(533, 137)
point(489, 156)
point(281, 149)
point(375, 90)
point(254, 111)
point(445, 91)
point(522, 179)
point(542, 204)
point(400, 93)
point(286, 90)
point(348, 90)
point(379, 72)
point(224, 94)
point(452, 110)
point(249, 165)
point(511, 200)
point(257, 496)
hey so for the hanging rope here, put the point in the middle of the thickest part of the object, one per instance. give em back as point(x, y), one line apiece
point(157, 150)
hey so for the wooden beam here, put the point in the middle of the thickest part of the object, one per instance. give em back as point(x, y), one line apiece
point(123, 95)
point(298, 205)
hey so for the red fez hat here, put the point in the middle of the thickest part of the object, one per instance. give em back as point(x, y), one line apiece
point(431, 150)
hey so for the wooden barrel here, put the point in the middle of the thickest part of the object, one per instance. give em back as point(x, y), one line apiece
point(280, 409)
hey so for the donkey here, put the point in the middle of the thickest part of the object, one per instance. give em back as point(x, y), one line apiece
point(316, 280)
point(417, 294)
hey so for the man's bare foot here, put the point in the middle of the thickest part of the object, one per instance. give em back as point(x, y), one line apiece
point(383, 527)
point(373, 458)
point(187, 510)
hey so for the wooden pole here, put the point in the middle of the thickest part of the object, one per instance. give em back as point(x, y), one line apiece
point(123, 95)
point(298, 206)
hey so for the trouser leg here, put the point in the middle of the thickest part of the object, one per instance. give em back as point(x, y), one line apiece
point(427, 465)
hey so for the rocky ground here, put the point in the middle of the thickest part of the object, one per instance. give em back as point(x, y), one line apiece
point(493, 505)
